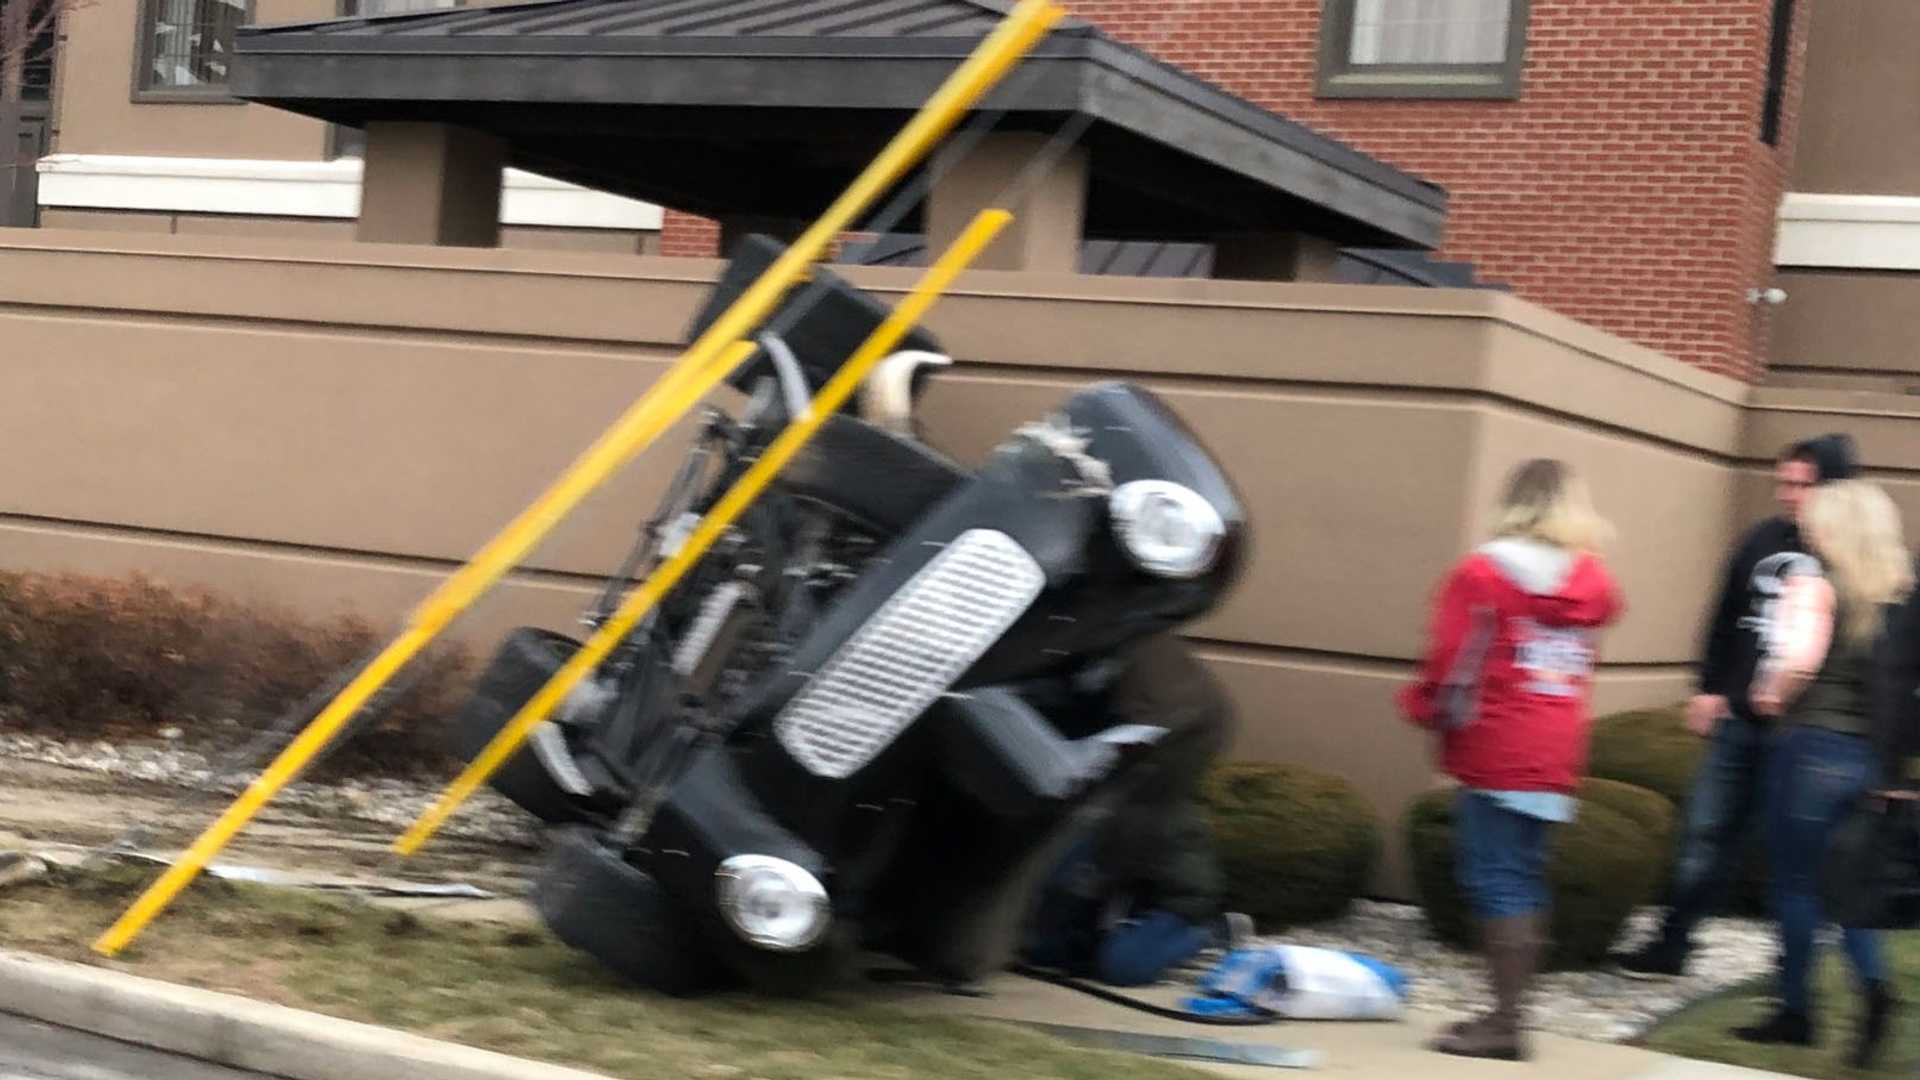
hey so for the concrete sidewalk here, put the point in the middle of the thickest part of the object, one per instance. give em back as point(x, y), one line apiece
point(239, 1032)
point(1377, 1051)
point(247, 1034)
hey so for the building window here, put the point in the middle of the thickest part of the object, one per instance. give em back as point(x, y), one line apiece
point(1778, 56)
point(36, 62)
point(394, 7)
point(1422, 48)
point(351, 142)
point(186, 48)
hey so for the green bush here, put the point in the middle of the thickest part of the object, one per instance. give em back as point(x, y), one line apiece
point(84, 657)
point(1602, 866)
point(1296, 845)
point(1650, 748)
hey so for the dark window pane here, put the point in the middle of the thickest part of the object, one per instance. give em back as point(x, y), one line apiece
point(394, 7)
point(37, 73)
point(190, 42)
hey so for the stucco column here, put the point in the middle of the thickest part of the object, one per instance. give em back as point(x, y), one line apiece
point(1048, 221)
point(1280, 256)
point(431, 184)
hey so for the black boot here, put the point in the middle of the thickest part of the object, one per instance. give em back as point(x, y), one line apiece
point(1790, 1028)
point(1880, 1006)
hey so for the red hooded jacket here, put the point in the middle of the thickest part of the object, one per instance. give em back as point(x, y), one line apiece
point(1509, 670)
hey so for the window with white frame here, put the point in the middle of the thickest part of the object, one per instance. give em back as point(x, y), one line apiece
point(186, 47)
point(1422, 48)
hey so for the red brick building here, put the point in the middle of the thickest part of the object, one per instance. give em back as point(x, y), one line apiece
point(1619, 161)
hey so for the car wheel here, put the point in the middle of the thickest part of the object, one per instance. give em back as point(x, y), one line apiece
point(543, 781)
point(595, 901)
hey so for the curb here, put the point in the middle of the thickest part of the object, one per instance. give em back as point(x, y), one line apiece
point(240, 1032)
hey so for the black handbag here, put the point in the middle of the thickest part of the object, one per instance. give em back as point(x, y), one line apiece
point(1871, 876)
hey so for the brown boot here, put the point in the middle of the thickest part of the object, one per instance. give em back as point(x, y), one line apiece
point(1463, 1027)
point(1513, 948)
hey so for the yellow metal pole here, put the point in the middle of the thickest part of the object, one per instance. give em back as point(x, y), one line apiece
point(706, 362)
point(833, 395)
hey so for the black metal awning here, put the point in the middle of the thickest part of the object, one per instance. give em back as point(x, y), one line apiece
point(768, 107)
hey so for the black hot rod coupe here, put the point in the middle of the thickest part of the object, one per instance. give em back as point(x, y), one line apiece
point(877, 714)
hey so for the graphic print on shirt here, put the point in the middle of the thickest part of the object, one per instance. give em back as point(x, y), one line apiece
point(1557, 661)
point(1764, 590)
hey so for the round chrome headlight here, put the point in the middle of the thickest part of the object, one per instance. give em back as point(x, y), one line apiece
point(772, 903)
point(1166, 528)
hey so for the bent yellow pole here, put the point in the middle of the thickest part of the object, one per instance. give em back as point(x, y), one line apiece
point(706, 362)
point(644, 596)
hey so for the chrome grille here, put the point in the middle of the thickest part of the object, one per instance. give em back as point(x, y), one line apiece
point(925, 636)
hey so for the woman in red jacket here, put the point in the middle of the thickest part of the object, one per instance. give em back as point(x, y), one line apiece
point(1506, 683)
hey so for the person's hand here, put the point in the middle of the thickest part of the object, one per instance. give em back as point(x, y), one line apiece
point(1766, 702)
point(1704, 711)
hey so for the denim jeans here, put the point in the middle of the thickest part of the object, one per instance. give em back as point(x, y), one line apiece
point(1813, 780)
point(1721, 808)
point(1141, 951)
point(1500, 857)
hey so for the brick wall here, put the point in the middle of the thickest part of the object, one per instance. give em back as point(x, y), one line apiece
point(1627, 187)
point(689, 235)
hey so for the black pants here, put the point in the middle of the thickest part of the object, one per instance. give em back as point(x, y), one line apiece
point(1721, 812)
point(1159, 843)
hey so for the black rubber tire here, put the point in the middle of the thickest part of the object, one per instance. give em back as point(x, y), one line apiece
point(525, 661)
point(617, 913)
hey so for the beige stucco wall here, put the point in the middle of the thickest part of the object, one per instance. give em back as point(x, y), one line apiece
point(336, 426)
point(97, 113)
point(1861, 104)
point(99, 116)
point(1849, 328)
point(256, 406)
point(533, 237)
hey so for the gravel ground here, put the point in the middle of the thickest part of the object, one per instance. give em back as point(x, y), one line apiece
point(391, 803)
point(1600, 1005)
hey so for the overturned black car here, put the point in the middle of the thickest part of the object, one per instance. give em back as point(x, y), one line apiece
point(881, 710)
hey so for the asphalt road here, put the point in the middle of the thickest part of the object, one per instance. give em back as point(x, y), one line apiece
point(34, 1051)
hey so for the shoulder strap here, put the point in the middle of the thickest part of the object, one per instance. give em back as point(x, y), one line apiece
point(1460, 696)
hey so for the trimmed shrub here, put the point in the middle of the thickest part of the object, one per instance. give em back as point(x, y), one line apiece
point(1650, 748)
point(1606, 867)
point(1600, 867)
point(1296, 845)
point(84, 657)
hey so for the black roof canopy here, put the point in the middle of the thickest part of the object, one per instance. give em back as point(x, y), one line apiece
point(768, 108)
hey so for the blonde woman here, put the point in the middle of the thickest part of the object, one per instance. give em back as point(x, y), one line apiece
point(1817, 678)
point(1506, 682)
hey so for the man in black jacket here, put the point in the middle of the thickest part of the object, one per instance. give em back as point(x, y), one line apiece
point(1725, 797)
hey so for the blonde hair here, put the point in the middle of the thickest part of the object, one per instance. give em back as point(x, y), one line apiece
point(1855, 529)
point(1546, 501)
